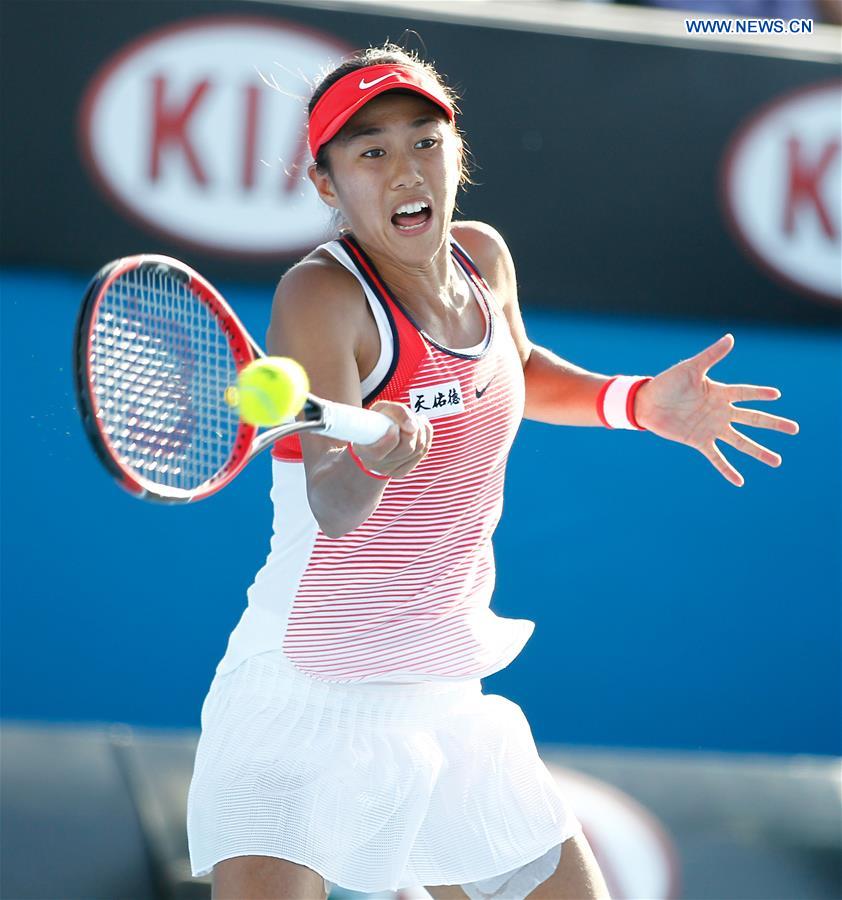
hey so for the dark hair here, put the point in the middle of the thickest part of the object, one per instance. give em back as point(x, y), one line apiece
point(388, 54)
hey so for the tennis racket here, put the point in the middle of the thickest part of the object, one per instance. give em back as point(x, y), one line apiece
point(155, 348)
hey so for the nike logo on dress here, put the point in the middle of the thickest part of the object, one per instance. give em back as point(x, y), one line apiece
point(364, 85)
point(481, 392)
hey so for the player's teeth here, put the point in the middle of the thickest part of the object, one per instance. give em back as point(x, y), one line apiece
point(412, 207)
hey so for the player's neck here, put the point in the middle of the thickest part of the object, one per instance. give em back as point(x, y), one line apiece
point(432, 287)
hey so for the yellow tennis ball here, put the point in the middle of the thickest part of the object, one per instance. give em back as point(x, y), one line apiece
point(270, 390)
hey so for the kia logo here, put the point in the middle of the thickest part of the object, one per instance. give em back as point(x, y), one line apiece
point(182, 134)
point(782, 180)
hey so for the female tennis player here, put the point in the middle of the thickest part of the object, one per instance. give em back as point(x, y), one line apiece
point(345, 737)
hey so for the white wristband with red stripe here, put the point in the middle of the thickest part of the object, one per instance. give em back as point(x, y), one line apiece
point(615, 403)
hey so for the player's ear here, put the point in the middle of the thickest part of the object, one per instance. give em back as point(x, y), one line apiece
point(324, 185)
point(461, 162)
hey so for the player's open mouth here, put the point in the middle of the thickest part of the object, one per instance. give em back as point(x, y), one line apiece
point(412, 217)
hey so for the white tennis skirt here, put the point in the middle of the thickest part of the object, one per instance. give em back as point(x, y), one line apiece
point(374, 786)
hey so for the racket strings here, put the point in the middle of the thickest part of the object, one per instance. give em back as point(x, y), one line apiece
point(160, 364)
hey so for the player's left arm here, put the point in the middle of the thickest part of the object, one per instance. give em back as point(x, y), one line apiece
point(681, 404)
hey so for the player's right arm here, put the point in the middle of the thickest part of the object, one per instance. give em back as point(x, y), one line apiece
point(320, 318)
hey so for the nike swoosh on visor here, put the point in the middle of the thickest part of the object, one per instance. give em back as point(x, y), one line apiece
point(364, 86)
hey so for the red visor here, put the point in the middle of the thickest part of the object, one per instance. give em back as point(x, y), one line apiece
point(351, 93)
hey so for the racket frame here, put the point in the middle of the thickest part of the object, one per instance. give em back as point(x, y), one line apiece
point(243, 348)
point(319, 416)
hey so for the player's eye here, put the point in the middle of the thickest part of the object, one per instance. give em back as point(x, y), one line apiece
point(427, 142)
point(374, 153)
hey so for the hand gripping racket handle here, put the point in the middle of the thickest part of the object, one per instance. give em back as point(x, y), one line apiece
point(350, 423)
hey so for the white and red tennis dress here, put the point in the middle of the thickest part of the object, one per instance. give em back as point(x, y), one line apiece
point(405, 596)
point(346, 728)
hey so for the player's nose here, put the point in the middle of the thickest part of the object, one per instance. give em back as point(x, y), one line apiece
point(407, 172)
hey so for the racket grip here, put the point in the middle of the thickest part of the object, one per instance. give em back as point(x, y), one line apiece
point(350, 423)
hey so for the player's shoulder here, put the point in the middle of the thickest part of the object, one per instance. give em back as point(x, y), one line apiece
point(479, 239)
point(318, 286)
point(488, 249)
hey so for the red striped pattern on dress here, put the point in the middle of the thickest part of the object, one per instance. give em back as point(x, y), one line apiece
point(408, 592)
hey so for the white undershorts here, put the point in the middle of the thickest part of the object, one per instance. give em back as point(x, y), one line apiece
point(517, 884)
point(514, 885)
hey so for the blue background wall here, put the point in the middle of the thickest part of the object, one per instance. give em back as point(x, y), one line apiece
point(713, 622)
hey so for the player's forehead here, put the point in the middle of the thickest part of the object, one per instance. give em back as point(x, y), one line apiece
point(392, 110)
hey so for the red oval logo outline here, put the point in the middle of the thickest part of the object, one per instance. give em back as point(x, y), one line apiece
point(732, 212)
point(118, 61)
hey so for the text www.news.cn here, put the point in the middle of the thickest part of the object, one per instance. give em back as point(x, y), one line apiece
point(749, 26)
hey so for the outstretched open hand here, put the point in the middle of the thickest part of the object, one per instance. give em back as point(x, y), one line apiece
point(682, 404)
